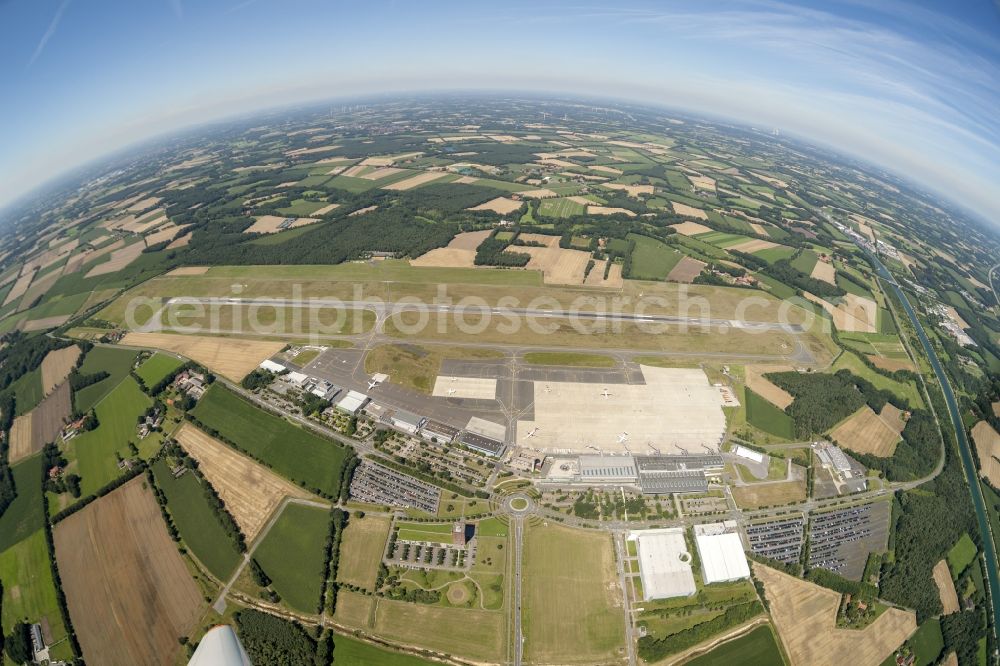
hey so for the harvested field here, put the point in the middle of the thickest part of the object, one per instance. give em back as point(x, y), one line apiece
point(354, 171)
point(460, 252)
point(180, 242)
point(469, 240)
point(561, 266)
point(805, 616)
point(144, 204)
point(250, 491)
point(894, 417)
point(444, 257)
point(20, 438)
point(389, 160)
point(764, 388)
point(988, 448)
point(825, 271)
point(120, 258)
point(605, 169)
point(186, 271)
point(855, 315)
point(269, 224)
point(362, 211)
point(865, 432)
point(631, 190)
point(326, 209)
point(414, 181)
point(946, 588)
point(41, 425)
point(691, 228)
point(604, 210)
point(21, 286)
point(56, 366)
point(380, 173)
point(596, 277)
point(362, 548)
point(501, 205)
point(538, 194)
point(559, 164)
point(232, 358)
point(686, 270)
point(702, 182)
point(164, 234)
point(751, 246)
point(689, 211)
point(44, 323)
point(891, 364)
point(760, 230)
point(38, 288)
point(128, 589)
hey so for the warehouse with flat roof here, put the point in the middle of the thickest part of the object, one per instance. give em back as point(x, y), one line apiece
point(721, 551)
point(664, 563)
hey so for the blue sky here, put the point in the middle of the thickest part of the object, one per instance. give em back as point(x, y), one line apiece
point(912, 86)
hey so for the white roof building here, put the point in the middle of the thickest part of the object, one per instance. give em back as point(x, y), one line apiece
point(297, 378)
point(352, 402)
point(749, 454)
point(722, 556)
point(664, 563)
point(271, 366)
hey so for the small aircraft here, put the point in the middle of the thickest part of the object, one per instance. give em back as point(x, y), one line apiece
point(607, 394)
point(622, 438)
point(531, 433)
point(372, 384)
point(452, 391)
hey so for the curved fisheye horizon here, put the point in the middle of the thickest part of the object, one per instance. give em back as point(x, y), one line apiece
point(499, 334)
point(906, 87)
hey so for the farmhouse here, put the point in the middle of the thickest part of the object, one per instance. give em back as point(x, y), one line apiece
point(721, 552)
point(664, 563)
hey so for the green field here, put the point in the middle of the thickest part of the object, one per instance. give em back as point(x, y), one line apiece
point(95, 450)
point(24, 516)
point(27, 391)
point(295, 453)
point(292, 555)
point(430, 532)
point(352, 652)
point(652, 259)
point(560, 208)
point(361, 550)
point(571, 614)
point(773, 254)
point(927, 643)
point(157, 368)
point(765, 416)
point(722, 239)
point(117, 362)
point(906, 390)
point(805, 262)
point(302, 208)
point(961, 555)
point(573, 359)
point(28, 591)
point(758, 647)
point(196, 521)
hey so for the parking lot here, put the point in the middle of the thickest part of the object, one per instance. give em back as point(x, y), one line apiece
point(778, 539)
point(841, 540)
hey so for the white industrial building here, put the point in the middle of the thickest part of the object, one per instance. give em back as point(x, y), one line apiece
point(352, 402)
point(297, 378)
point(664, 563)
point(271, 366)
point(748, 454)
point(721, 552)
